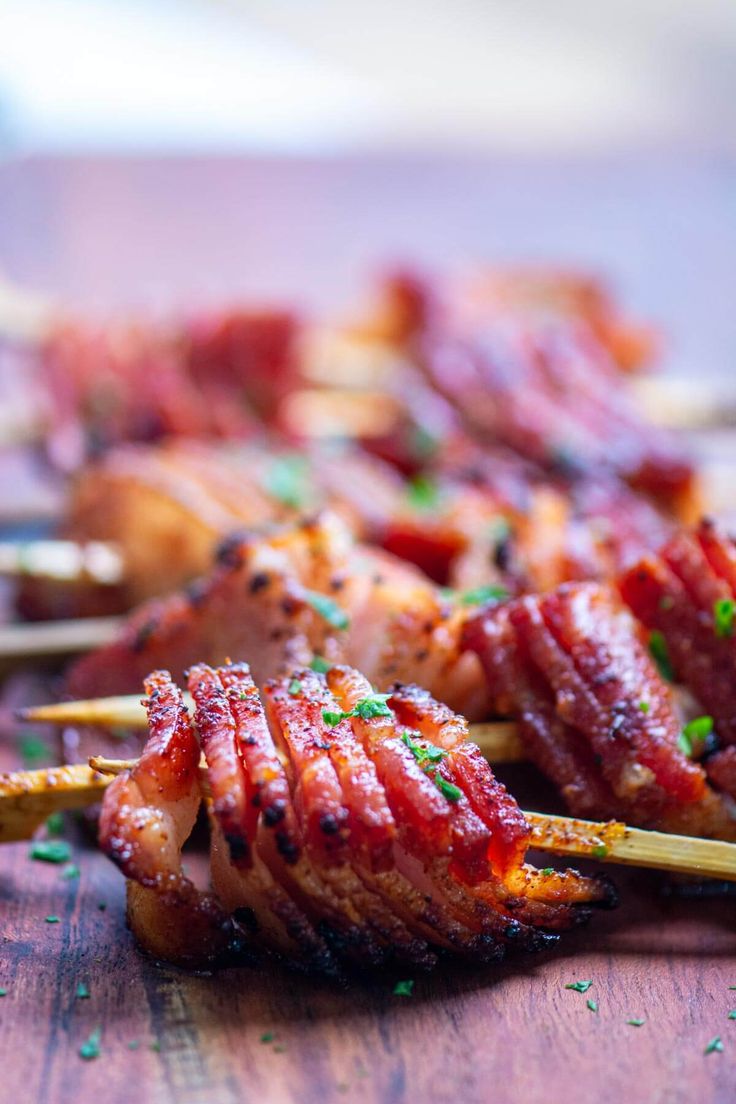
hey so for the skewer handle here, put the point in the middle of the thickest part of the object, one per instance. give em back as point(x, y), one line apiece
point(27, 798)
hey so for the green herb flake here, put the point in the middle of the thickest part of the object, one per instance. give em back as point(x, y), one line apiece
point(332, 719)
point(91, 1048)
point(267, 1037)
point(592, 1005)
point(579, 986)
point(70, 871)
point(375, 706)
point(644, 706)
point(666, 602)
point(600, 851)
point(732, 987)
point(134, 1044)
point(320, 665)
point(82, 992)
point(423, 755)
point(482, 594)
point(732, 1014)
point(156, 1047)
point(50, 851)
point(723, 616)
point(714, 1045)
point(34, 751)
point(661, 655)
point(3, 992)
point(287, 480)
point(55, 824)
point(694, 733)
point(404, 988)
point(547, 870)
point(636, 1022)
point(52, 919)
point(327, 608)
point(423, 493)
point(295, 687)
point(102, 905)
point(447, 789)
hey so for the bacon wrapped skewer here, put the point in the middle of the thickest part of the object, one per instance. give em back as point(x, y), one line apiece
point(347, 828)
point(593, 712)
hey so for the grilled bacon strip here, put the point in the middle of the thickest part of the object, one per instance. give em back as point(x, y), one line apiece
point(144, 835)
point(379, 834)
point(594, 714)
point(677, 593)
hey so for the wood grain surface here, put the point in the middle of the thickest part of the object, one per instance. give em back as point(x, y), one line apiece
point(108, 232)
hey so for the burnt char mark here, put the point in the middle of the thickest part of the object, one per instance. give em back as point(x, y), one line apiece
point(230, 552)
point(238, 847)
point(259, 581)
point(286, 847)
point(274, 814)
point(196, 592)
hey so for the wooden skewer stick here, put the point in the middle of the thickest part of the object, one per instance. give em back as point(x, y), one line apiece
point(498, 741)
point(27, 798)
point(97, 562)
point(53, 639)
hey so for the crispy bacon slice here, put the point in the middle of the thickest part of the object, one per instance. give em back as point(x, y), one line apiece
point(146, 818)
point(678, 593)
point(594, 714)
point(396, 850)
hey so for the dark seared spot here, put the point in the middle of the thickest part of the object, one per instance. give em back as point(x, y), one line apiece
point(337, 583)
point(502, 554)
point(259, 582)
point(274, 813)
point(196, 592)
point(377, 580)
point(246, 917)
point(421, 655)
point(230, 550)
point(512, 930)
point(143, 635)
point(328, 824)
point(286, 847)
point(238, 846)
point(321, 744)
point(289, 606)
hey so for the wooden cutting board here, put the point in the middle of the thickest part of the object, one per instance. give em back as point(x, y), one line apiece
point(107, 232)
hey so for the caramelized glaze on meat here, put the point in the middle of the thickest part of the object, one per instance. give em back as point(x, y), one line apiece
point(347, 828)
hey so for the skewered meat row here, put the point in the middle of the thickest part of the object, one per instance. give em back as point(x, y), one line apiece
point(685, 595)
point(544, 387)
point(594, 713)
point(347, 829)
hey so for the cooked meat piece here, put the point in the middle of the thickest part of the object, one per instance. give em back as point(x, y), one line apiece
point(593, 712)
point(379, 834)
point(686, 595)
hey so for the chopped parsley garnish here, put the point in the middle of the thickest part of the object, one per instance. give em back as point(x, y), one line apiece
point(423, 755)
point(267, 1037)
point(547, 870)
point(102, 905)
point(424, 442)
point(3, 992)
point(82, 992)
point(599, 851)
point(51, 851)
point(695, 732)
point(91, 1048)
point(34, 750)
point(156, 1046)
point(404, 988)
point(287, 480)
point(366, 709)
point(295, 687)
point(320, 665)
point(636, 1022)
point(644, 706)
point(55, 824)
point(52, 919)
point(732, 987)
point(723, 616)
point(423, 493)
point(661, 655)
point(327, 608)
point(479, 595)
point(714, 1045)
point(134, 1044)
point(70, 871)
point(447, 789)
point(579, 986)
point(592, 1005)
point(732, 1014)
